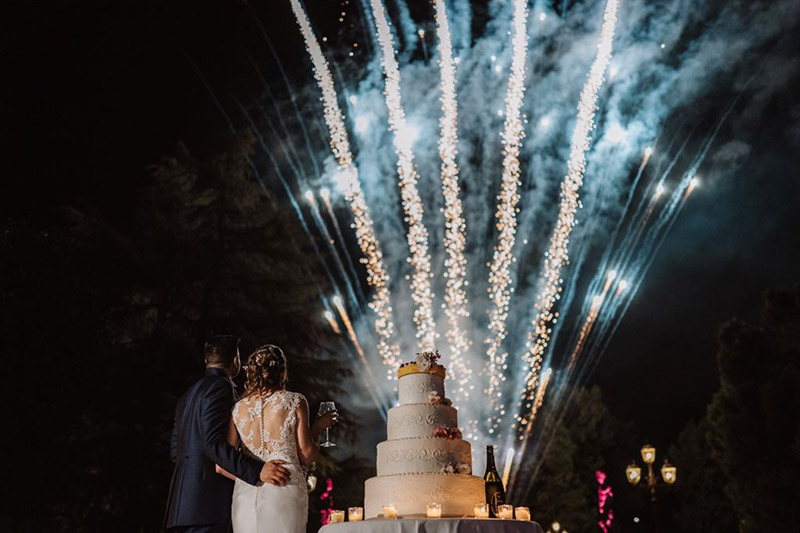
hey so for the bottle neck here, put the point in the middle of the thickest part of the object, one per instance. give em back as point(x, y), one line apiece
point(490, 458)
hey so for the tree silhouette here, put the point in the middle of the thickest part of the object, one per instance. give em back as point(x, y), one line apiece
point(755, 426)
point(109, 318)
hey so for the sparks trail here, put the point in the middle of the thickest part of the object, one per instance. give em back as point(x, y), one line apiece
point(325, 194)
point(368, 376)
point(557, 255)
point(500, 283)
point(455, 227)
point(407, 178)
point(348, 174)
point(287, 83)
point(355, 301)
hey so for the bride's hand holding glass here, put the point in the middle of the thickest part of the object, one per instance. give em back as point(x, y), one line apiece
point(326, 418)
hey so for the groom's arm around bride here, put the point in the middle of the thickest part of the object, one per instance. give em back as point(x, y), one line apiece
point(198, 495)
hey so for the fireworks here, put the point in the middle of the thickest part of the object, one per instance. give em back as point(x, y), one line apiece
point(557, 255)
point(407, 175)
point(506, 216)
point(455, 226)
point(348, 176)
point(332, 322)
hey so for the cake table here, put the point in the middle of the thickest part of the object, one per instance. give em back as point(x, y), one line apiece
point(437, 525)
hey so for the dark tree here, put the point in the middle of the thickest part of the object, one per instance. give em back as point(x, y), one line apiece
point(571, 448)
point(755, 416)
point(700, 501)
point(106, 321)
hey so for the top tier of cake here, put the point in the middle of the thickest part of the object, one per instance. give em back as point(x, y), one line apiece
point(417, 387)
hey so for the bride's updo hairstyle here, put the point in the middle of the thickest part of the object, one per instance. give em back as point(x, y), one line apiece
point(265, 370)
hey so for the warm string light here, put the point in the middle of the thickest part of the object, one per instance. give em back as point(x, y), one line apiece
point(506, 216)
point(455, 239)
point(407, 175)
point(377, 276)
point(557, 255)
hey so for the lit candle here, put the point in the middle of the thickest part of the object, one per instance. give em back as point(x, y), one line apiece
point(481, 510)
point(336, 516)
point(434, 510)
point(522, 513)
point(389, 511)
point(355, 514)
point(505, 511)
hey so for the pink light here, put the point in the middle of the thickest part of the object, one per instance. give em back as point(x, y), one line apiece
point(604, 495)
point(325, 514)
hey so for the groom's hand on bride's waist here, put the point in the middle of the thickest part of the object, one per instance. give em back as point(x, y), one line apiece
point(273, 473)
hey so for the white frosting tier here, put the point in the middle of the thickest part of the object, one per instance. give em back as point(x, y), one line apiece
point(414, 388)
point(411, 494)
point(418, 420)
point(427, 454)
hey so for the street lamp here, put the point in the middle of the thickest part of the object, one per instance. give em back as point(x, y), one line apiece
point(633, 473)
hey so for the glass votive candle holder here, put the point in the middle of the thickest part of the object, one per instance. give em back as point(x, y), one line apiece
point(336, 516)
point(505, 511)
point(522, 513)
point(355, 514)
point(481, 510)
point(389, 511)
point(434, 510)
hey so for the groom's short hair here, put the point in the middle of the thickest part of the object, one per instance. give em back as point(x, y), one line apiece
point(221, 349)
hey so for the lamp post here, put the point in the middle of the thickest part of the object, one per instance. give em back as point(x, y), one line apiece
point(633, 473)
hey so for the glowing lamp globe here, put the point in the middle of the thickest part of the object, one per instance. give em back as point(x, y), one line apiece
point(633, 474)
point(648, 454)
point(669, 473)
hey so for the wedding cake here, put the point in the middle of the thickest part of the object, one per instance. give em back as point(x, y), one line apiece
point(424, 458)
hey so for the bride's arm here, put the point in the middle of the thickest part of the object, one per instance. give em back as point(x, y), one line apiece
point(308, 434)
point(307, 439)
point(233, 440)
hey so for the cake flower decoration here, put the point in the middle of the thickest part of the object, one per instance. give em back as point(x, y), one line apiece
point(456, 468)
point(445, 432)
point(435, 399)
point(427, 360)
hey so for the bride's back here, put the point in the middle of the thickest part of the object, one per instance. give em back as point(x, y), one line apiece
point(267, 425)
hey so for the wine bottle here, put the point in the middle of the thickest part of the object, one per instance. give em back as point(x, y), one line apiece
point(495, 493)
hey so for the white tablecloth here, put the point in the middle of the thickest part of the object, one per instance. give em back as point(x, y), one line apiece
point(441, 525)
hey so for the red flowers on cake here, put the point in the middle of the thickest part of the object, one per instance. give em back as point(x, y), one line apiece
point(444, 432)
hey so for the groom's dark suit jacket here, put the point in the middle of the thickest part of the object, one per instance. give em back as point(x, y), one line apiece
point(197, 494)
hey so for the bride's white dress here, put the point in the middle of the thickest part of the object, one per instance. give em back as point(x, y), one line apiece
point(267, 427)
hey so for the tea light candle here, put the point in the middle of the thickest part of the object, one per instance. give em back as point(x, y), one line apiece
point(481, 510)
point(336, 516)
point(522, 513)
point(434, 510)
point(505, 511)
point(390, 511)
point(355, 514)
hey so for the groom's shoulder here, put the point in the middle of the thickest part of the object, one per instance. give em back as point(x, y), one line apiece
point(206, 383)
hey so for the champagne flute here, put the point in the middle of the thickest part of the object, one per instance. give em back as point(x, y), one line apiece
point(325, 408)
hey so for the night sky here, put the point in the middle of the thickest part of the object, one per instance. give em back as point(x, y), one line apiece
point(93, 92)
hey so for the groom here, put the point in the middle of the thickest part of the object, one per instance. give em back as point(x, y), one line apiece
point(199, 498)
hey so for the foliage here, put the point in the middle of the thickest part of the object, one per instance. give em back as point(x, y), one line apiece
point(755, 427)
point(572, 447)
point(700, 501)
point(110, 319)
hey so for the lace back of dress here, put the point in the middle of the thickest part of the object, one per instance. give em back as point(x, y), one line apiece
point(267, 425)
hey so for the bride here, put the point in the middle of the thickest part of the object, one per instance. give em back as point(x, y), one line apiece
point(272, 424)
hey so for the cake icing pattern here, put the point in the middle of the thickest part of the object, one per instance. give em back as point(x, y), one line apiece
point(418, 420)
point(426, 454)
point(415, 467)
